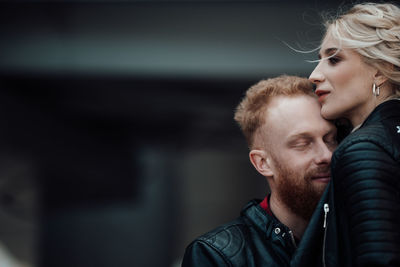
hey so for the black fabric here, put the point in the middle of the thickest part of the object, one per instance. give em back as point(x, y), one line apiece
point(250, 240)
point(363, 223)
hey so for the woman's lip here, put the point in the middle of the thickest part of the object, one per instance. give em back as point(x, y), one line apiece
point(321, 94)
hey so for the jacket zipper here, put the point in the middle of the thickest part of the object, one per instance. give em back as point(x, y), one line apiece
point(326, 210)
point(292, 238)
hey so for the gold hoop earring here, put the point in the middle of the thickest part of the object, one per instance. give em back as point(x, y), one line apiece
point(375, 90)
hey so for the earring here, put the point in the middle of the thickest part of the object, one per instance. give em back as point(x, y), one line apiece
point(375, 90)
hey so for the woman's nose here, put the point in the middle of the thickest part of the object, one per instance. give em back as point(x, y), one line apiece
point(316, 76)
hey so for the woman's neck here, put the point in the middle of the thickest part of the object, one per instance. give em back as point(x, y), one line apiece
point(359, 116)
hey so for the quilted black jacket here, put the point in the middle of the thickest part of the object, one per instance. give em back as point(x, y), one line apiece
point(254, 239)
point(361, 207)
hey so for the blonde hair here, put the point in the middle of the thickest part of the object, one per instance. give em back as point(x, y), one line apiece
point(373, 30)
point(250, 113)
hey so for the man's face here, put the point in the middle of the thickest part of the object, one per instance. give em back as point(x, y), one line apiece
point(300, 144)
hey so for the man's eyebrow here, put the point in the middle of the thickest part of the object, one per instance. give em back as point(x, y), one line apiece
point(299, 135)
point(332, 131)
point(309, 135)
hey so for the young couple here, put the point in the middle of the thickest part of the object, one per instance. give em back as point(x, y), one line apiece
point(292, 141)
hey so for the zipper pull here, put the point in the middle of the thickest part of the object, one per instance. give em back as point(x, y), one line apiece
point(326, 210)
point(292, 238)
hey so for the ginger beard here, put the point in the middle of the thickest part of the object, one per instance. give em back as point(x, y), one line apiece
point(298, 192)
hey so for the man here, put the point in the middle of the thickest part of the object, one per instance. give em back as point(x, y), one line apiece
point(291, 145)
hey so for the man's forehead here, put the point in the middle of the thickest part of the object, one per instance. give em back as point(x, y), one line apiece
point(295, 115)
point(289, 106)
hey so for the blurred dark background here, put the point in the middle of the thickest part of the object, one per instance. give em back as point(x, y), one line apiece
point(118, 144)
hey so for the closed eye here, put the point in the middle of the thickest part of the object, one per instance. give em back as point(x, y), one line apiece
point(301, 144)
point(331, 140)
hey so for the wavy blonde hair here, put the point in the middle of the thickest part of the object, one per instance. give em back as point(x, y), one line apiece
point(373, 30)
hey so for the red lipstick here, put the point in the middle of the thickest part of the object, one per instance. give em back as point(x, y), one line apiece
point(321, 94)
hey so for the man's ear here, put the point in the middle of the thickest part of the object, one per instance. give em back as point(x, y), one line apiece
point(260, 160)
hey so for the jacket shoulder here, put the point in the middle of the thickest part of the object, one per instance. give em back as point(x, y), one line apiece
point(219, 245)
point(381, 137)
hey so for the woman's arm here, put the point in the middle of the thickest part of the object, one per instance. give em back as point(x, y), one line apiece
point(367, 195)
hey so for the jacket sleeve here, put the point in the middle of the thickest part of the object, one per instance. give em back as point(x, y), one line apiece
point(199, 253)
point(367, 192)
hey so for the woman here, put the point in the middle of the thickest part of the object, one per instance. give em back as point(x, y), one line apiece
point(357, 222)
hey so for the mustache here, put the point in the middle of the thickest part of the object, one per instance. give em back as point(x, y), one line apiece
point(318, 171)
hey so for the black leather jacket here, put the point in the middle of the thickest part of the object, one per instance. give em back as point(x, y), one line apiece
point(253, 239)
point(362, 226)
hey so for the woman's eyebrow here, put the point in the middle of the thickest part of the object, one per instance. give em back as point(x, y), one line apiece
point(329, 51)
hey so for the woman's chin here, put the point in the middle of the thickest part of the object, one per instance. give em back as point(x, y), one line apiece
point(327, 114)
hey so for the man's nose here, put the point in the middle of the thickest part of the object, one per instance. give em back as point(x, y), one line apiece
point(324, 154)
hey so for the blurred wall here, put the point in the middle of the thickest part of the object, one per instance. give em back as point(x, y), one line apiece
point(119, 145)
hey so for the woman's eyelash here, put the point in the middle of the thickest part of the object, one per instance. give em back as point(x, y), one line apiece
point(334, 60)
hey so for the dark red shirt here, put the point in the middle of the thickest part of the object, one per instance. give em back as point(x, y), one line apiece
point(265, 205)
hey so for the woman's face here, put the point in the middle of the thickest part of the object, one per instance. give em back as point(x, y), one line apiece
point(343, 83)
